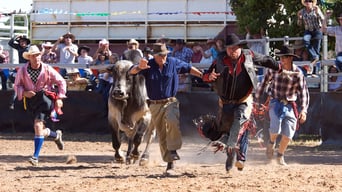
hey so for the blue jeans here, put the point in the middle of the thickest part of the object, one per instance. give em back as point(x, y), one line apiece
point(313, 47)
point(232, 118)
point(3, 76)
point(338, 61)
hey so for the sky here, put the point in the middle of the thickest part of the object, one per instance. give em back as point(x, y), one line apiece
point(9, 6)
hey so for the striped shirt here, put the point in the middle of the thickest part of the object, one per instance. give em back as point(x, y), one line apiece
point(286, 85)
point(312, 19)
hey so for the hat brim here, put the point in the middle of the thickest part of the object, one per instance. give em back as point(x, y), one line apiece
point(240, 43)
point(26, 55)
point(286, 54)
point(314, 2)
point(28, 41)
point(161, 53)
point(69, 35)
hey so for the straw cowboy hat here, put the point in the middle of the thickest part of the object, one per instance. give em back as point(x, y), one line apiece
point(33, 50)
point(233, 40)
point(160, 48)
point(314, 2)
point(286, 51)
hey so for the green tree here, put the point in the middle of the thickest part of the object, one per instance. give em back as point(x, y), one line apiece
point(255, 14)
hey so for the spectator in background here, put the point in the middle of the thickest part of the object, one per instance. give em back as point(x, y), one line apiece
point(67, 50)
point(147, 52)
point(335, 82)
point(258, 46)
point(311, 17)
point(335, 31)
point(84, 58)
point(217, 46)
point(132, 44)
point(103, 47)
point(197, 53)
point(4, 59)
point(302, 55)
point(21, 43)
point(182, 52)
point(105, 80)
point(48, 56)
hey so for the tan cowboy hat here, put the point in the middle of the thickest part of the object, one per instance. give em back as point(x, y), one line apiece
point(314, 2)
point(33, 50)
point(67, 35)
point(133, 41)
point(160, 48)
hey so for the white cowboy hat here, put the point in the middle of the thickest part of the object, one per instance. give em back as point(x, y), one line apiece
point(47, 44)
point(314, 2)
point(72, 70)
point(32, 51)
point(103, 42)
point(133, 41)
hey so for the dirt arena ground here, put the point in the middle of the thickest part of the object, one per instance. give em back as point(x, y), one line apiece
point(311, 168)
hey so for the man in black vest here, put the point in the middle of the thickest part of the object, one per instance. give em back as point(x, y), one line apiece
point(233, 77)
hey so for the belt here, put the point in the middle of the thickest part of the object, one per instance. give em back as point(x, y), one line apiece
point(162, 101)
point(236, 101)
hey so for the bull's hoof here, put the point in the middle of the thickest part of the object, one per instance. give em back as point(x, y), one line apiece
point(144, 160)
point(119, 159)
point(129, 160)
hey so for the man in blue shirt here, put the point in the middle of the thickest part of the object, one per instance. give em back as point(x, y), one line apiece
point(161, 74)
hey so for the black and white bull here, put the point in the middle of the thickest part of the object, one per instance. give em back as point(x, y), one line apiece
point(128, 111)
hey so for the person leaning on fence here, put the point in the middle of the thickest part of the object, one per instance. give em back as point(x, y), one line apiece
point(48, 55)
point(4, 58)
point(233, 77)
point(311, 17)
point(67, 50)
point(336, 31)
point(161, 74)
point(34, 86)
point(21, 43)
point(285, 88)
point(85, 59)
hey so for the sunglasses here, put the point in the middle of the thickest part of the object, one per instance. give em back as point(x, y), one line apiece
point(308, 1)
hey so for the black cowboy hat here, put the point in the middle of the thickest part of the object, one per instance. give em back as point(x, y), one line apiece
point(83, 47)
point(24, 37)
point(233, 40)
point(286, 51)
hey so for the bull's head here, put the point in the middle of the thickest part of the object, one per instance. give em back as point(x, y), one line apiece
point(123, 81)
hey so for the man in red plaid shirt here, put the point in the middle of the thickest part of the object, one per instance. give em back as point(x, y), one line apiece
point(285, 88)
